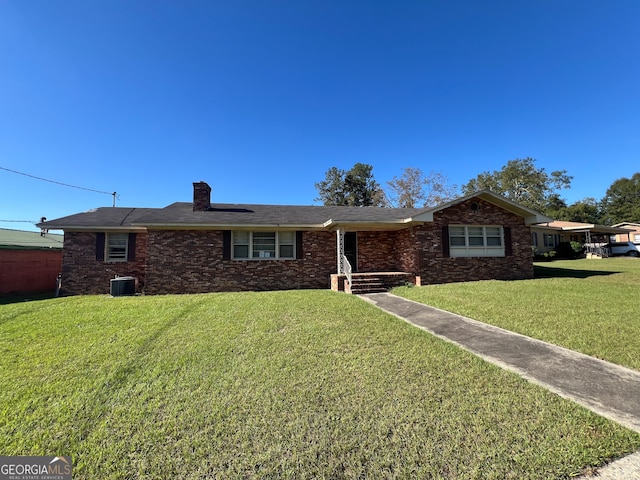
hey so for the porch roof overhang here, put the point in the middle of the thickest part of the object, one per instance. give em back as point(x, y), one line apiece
point(599, 229)
point(577, 227)
point(351, 225)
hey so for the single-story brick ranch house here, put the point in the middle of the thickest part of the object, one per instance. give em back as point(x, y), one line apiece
point(208, 247)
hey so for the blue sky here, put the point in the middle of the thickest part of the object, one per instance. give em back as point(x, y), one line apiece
point(260, 98)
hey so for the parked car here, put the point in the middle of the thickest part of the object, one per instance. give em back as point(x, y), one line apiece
point(623, 248)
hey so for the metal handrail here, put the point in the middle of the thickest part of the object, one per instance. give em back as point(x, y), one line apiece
point(347, 268)
point(597, 249)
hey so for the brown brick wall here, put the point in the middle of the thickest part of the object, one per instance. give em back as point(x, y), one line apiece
point(376, 252)
point(386, 251)
point(191, 261)
point(83, 274)
point(434, 267)
point(408, 251)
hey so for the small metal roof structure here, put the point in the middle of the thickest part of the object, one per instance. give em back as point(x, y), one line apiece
point(25, 240)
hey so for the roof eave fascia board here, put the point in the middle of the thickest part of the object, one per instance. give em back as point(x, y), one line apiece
point(619, 225)
point(583, 228)
point(228, 226)
point(424, 217)
point(537, 218)
point(530, 216)
point(98, 228)
point(546, 227)
point(401, 223)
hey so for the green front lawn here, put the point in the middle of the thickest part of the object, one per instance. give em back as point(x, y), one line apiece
point(592, 306)
point(306, 384)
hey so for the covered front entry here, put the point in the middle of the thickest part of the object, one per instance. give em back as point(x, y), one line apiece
point(348, 279)
point(347, 251)
point(351, 249)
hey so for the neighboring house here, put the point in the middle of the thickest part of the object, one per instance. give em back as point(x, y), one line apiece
point(633, 232)
point(29, 261)
point(204, 247)
point(546, 236)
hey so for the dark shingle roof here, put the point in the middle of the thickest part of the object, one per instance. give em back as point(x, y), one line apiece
point(105, 217)
point(182, 213)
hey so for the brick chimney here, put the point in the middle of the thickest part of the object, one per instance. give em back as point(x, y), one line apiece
point(201, 196)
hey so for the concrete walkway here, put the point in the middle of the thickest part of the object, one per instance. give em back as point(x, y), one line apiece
point(602, 387)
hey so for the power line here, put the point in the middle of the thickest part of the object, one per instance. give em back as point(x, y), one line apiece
point(19, 221)
point(114, 194)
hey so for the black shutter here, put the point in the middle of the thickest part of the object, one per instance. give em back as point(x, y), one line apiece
point(131, 251)
point(100, 246)
point(445, 241)
point(299, 251)
point(508, 248)
point(226, 244)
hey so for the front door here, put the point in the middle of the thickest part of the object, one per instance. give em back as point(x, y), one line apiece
point(351, 249)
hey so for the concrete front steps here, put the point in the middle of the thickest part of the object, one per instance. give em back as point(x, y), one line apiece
point(366, 284)
point(375, 282)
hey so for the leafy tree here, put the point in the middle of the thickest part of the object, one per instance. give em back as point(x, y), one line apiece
point(331, 191)
point(555, 207)
point(413, 189)
point(520, 181)
point(621, 203)
point(355, 187)
point(585, 211)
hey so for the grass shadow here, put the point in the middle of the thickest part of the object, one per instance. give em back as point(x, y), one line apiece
point(556, 272)
point(25, 297)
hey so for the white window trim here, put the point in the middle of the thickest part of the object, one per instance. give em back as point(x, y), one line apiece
point(250, 251)
point(107, 256)
point(477, 250)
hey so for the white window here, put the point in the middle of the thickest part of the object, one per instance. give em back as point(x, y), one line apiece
point(116, 247)
point(263, 245)
point(534, 239)
point(241, 242)
point(287, 244)
point(476, 241)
